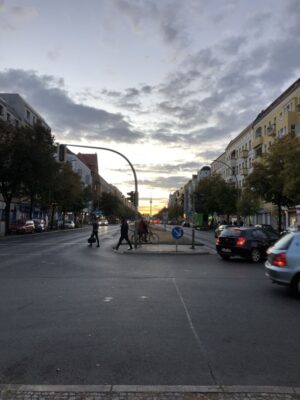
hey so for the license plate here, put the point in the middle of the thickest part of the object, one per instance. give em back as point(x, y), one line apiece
point(226, 250)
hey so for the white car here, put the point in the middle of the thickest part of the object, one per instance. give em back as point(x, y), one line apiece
point(103, 222)
point(69, 224)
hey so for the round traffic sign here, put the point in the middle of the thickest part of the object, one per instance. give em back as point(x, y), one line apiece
point(177, 232)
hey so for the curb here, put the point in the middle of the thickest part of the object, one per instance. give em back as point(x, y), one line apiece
point(149, 389)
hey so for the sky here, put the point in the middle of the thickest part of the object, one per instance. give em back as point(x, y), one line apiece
point(168, 83)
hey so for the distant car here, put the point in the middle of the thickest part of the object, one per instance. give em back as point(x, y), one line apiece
point(69, 225)
point(39, 225)
point(103, 222)
point(221, 228)
point(249, 243)
point(283, 263)
point(291, 228)
point(186, 224)
point(23, 227)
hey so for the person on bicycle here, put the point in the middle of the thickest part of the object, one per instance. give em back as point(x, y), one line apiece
point(142, 230)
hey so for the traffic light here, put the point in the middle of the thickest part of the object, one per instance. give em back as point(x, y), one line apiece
point(133, 198)
point(62, 152)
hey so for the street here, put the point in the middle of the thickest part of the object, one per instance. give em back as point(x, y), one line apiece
point(76, 315)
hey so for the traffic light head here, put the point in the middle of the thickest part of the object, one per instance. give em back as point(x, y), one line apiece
point(133, 198)
point(62, 152)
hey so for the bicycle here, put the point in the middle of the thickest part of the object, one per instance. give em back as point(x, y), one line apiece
point(147, 238)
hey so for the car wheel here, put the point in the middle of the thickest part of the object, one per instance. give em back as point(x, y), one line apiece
point(225, 257)
point(296, 284)
point(255, 255)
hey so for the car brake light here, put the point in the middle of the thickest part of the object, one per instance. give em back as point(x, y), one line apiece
point(241, 241)
point(280, 260)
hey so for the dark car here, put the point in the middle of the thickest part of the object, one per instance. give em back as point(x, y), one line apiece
point(249, 243)
point(266, 227)
point(221, 228)
point(39, 225)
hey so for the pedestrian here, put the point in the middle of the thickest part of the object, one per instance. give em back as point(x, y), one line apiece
point(124, 234)
point(94, 232)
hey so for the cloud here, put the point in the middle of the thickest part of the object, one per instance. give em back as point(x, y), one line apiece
point(49, 97)
point(24, 12)
point(131, 98)
point(189, 166)
point(170, 183)
point(166, 16)
point(53, 55)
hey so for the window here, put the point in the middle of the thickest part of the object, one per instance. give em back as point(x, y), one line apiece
point(27, 114)
point(8, 117)
point(1, 109)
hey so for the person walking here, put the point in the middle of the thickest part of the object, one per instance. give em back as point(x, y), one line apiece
point(94, 232)
point(124, 234)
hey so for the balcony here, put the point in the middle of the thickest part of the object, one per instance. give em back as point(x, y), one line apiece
point(271, 130)
point(258, 141)
point(244, 172)
point(244, 153)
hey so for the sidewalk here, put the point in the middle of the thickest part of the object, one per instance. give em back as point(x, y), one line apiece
point(122, 392)
point(181, 249)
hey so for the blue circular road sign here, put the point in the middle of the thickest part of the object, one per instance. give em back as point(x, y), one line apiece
point(177, 232)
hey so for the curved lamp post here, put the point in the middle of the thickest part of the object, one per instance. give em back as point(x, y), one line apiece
point(134, 175)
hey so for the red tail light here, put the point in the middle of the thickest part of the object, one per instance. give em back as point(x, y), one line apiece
point(280, 260)
point(241, 241)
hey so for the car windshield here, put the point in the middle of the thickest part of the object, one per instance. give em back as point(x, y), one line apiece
point(284, 242)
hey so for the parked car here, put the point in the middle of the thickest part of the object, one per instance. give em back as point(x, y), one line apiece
point(266, 227)
point(185, 224)
point(291, 228)
point(39, 225)
point(221, 228)
point(283, 263)
point(69, 224)
point(251, 243)
point(23, 227)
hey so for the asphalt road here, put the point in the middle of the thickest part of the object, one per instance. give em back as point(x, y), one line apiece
point(70, 314)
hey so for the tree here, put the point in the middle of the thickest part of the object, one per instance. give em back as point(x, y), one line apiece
point(213, 194)
point(175, 212)
point(109, 204)
point(69, 193)
point(248, 203)
point(276, 179)
point(39, 165)
point(11, 161)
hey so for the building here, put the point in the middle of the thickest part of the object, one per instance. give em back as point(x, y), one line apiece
point(281, 117)
point(22, 112)
point(8, 114)
point(14, 109)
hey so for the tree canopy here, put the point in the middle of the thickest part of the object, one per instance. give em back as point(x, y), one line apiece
point(213, 194)
point(276, 178)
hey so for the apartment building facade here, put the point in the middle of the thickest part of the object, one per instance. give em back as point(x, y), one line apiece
point(281, 117)
point(21, 112)
point(15, 110)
